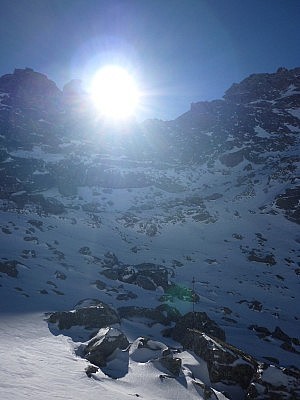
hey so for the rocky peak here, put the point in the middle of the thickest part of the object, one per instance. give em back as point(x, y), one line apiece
point(265, 86)
point(26, 88)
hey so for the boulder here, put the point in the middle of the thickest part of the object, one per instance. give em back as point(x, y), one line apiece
point(104, 344)
point(144, 350)
point(90, 370)
point(9, 268)
point(172, 364)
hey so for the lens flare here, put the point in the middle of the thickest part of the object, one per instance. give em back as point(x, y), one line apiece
point(114, 92)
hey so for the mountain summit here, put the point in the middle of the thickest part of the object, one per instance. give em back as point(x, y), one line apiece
point(160, 259)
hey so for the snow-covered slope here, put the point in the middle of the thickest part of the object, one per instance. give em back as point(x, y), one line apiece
point(200, 213)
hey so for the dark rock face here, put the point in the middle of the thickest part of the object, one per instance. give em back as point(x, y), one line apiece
point(289, 202)
point(29, 107)
point(288, 343)
point(159, 314)
point(264, 86)
point(225, 363)
point(148, 276)
point(274, 383)
point(230, 366)
point(98, 316)
point(27, 88)
point(104, 344)
point(172, 364)
point(266, 259)
point(9, 268)
point(199, 321)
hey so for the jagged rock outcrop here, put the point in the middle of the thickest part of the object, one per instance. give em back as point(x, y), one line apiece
point(230, 366)
point(146, 350)
point(172, 364)
point(274, 383)
point(103, 345)
point(149, 276)
point(162, 314)
point(267, 87)
point(289, 202)
point(96, 316)
point(30, 106)
point(225, 363)
point(27, 89)
point(199, 321)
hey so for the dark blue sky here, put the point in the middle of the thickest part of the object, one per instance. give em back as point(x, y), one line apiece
point(180, 50)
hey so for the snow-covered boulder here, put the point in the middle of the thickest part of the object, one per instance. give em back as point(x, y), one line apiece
point(104, 344)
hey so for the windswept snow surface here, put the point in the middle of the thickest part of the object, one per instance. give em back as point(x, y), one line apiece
point(38, 365)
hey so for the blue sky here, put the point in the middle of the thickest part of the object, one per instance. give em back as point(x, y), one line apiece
point(180, 51)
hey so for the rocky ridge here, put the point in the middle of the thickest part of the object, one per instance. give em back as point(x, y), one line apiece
point(227, 366)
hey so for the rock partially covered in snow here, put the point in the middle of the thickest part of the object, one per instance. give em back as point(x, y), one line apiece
point(104, 344)
point(144, 350)
point(172, 364)
point(199, 321)
point(148, 276)
point(97, 316)
point(226, 364)
point(162, 314)
point(272, 383)
point(9, 268)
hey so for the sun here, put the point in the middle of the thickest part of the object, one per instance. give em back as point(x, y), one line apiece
point(114, 92)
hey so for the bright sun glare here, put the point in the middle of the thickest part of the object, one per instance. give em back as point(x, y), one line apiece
point(114, 92)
